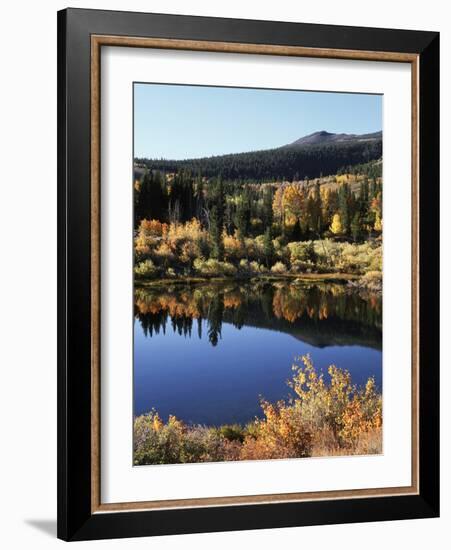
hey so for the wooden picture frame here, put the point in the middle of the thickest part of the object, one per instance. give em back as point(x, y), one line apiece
point(81, 35)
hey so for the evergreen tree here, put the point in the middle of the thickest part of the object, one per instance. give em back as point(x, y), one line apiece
point(268, 247)
point(242, 216)
point(216, 250)
point(356, 227)
point(217, 222)
point(314, 208)
point(159, 197)
point(220, 200)
point(151, 202)
point(296, 232)
point(215, 315)
point(182, 197)
point(343, 206)
point(363, 193)
point(199, 198)
point(372, 190)
point(267, 217)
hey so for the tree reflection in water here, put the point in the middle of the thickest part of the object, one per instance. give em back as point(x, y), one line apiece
point(321, 314)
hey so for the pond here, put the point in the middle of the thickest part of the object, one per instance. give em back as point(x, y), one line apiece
point(207, 352)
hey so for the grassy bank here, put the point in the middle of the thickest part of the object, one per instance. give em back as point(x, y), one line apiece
point(305, 277)
point(322, 419)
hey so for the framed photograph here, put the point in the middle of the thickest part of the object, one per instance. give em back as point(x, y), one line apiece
point(248, 274)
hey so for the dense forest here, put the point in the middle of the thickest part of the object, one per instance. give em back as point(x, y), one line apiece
point(191, 223)
point(288, 163)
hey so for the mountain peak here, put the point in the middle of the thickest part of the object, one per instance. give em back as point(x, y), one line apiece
point(322, 133)
point(323, 136)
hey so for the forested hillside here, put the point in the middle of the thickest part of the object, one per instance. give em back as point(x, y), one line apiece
point(321, 153)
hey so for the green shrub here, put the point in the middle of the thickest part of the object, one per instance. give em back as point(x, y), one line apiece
point(279, 268)
point(146, 270)
point(322, 419)
point(281, 251)
point(214, 268)
point(300, 267)
point(173, 442)
point(244, 267)
point(257, 268)
point(250, 268)
point(348, 257)
point(233, 432)
point(302, 252)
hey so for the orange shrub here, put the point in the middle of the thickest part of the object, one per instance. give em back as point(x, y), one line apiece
point(323, 419)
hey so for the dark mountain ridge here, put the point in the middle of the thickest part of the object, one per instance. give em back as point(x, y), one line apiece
point(327, 137)
point(321, 153)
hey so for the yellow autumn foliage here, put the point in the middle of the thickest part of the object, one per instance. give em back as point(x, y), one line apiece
point(336, 226)
point(323, 418)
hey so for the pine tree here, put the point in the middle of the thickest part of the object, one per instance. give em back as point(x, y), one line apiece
point(151, 202)
point(217, 222)
point(199, 196)
point(242, 216)
point(314, 208)
point(363, 205)
point(215, 316)
point(343, 206)
point(268, 247)
point(363, 194)
point(355, 227)
point(267, 207)
point(372, 189)
point(216, 250)
point(296, 232)
point(220, 201)
point(159, 197)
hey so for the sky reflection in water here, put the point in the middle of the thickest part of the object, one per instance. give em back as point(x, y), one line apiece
point(207, 353)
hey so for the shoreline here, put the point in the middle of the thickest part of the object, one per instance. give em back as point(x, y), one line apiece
point(340, 278)
point(284, 430)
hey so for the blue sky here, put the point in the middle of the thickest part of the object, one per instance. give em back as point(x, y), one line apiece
point(178, 122)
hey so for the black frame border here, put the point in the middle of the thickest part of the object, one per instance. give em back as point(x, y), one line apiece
point(75, 520)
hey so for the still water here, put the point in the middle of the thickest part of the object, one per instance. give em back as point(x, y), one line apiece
point(207, 353)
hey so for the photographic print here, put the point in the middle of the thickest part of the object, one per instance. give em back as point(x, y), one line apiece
point(236, 212)
point(257, 246)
